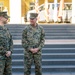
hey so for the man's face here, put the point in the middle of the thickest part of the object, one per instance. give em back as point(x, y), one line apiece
point(4, 20)
point(33, 20)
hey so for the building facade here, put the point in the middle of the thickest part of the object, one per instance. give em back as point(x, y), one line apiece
point(17, 9)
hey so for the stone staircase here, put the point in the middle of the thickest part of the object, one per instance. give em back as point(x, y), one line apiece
point(56, 57)
point(51, 31)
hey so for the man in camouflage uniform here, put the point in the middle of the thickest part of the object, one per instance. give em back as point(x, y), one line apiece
point(6, 45)
point(33, 38)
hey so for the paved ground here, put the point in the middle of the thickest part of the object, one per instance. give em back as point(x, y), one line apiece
point(62, 73)
point(73, 73)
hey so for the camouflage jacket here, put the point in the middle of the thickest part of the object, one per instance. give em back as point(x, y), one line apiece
point(6, 43)
point(33, 37)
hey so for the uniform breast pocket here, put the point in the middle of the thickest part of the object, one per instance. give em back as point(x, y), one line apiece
point(29, 35)
point(38, 34)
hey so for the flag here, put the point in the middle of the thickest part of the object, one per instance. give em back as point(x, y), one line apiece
point(46, 11)
point(60, 10)
point(37, 9)
point(36, 6)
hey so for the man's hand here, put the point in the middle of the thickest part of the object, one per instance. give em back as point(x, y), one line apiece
point(8, 53)
point(34, 50)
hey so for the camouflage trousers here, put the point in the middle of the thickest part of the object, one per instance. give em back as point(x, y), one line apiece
point(29, 58)
point(5, 67)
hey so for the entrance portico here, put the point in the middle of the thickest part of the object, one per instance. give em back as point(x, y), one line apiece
point(16, 12)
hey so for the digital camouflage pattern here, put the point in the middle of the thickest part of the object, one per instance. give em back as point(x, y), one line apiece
point(6, 44)
point(33, 38)
point(33, 15)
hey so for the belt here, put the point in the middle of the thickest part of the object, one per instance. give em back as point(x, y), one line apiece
point(34, 46)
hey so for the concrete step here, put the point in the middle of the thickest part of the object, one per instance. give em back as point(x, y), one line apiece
point(47, 34)
point(52, 37)
point(49, 50)
point(55, 68)
point(49, 55)
point(20, 62)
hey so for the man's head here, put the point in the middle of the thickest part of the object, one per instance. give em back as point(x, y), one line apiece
point(33, 18)
point(3, 17)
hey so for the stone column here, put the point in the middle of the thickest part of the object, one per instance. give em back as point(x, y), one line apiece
point(55, 10)
point(73, 11)
point(15, 11)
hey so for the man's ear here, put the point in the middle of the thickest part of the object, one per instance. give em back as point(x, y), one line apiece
point(0, 17)
point(36, 18)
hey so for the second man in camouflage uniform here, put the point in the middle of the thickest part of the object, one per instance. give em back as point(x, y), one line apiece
point(33, 38)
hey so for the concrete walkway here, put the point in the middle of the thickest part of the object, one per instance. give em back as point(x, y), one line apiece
point(63, 41)
point(60, 73)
